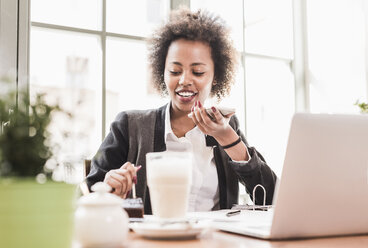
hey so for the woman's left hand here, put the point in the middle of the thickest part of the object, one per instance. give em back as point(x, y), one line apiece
point(216, 126)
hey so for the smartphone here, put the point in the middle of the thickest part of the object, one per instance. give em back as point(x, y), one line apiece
point(223, 110)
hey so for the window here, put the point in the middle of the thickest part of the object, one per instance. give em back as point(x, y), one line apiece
point(67, 66)
point(127, 84)
point(337, 55)
point(269, 78)
point(263, 93)
point(86, 55)
point(265, 79)
point(13, 43)
point(84, 14)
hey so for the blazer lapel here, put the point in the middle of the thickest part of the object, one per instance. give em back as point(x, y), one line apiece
point(159, 136)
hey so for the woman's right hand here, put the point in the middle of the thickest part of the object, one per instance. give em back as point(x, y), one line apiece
point(121, 179)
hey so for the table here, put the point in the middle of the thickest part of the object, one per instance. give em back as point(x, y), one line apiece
point(218, 239)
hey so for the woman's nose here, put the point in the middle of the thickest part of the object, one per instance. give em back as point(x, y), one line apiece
point(185, 79)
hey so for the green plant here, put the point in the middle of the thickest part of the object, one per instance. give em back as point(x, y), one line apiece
point(24, 135)
point(25, 148)
point(363, 106)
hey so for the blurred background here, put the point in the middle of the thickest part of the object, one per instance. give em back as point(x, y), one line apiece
point(90, 56)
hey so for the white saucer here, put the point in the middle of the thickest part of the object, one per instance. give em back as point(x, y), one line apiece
point(155, 230)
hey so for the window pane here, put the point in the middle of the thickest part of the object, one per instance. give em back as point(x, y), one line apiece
point(74, 13)
point(269, 27)
point(337, 55)
point(135, 17)
point(127, 80)
point(231, 13)
point(66, 66)
point(270, 106)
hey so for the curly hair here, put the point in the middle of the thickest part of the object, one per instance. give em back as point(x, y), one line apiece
point(197, 26)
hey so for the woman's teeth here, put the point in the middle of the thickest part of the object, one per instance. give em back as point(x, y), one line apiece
point(186, 94)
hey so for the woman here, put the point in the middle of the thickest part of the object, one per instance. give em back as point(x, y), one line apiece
point(192, 59)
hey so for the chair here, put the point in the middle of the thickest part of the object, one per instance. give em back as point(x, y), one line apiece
point(87, 167)
point(83, 185)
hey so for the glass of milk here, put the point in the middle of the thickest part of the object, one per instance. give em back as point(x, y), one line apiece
point(169, 177)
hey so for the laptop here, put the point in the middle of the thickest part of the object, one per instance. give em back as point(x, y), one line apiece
point(323, 189)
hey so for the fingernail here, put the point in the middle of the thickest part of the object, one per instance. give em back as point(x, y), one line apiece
point(213, 109)
point(192, 109)
point(195, 104)
point(135, 180)
point(138, 168)
point(199, 104)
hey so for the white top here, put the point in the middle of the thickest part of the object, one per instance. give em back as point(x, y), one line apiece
point(204, 193)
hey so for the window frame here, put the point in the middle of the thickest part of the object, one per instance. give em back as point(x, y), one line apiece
point(103, 35)
point(14, 45)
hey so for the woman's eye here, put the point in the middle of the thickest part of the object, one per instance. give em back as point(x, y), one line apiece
point(197, 73)
point(175, 73)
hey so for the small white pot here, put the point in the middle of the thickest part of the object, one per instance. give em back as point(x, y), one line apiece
point(100, 220)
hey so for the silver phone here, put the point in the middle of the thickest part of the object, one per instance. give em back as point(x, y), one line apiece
point(223, 110)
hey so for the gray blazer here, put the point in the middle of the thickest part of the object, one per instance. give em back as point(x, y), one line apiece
point(134, 133)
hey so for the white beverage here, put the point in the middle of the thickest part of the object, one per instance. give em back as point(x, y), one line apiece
point(169, 177)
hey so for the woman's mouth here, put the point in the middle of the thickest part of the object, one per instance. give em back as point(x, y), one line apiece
point(186, 96)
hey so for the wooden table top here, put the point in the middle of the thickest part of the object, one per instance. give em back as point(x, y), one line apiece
point(218, 239)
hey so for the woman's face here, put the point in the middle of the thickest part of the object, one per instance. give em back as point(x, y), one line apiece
point(189, 73)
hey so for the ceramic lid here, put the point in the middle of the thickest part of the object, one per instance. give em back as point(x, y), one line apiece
point(100, 196)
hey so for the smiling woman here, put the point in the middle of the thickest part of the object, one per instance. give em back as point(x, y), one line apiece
point(189, 73)
point(192, 58)
point(204, 28)
point(189, 77)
